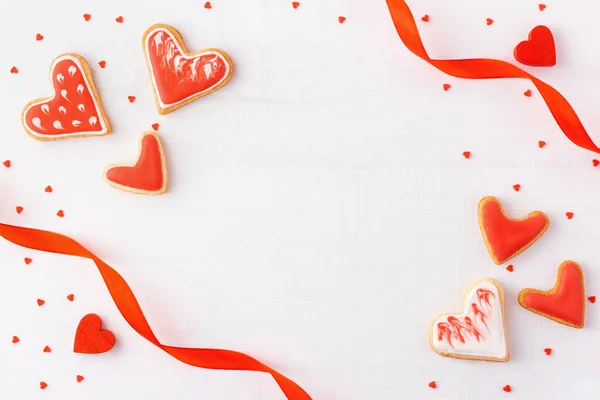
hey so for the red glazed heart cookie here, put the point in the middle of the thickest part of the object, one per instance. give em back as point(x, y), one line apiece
point(479, 333)
point(179, 77)
point(148, 175)
point(539, 50)
point(506, 238)
point(565, 302)
point(90, 338)
point(74, 110)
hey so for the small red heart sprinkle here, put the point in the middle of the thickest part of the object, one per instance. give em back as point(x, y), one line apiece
point(39, 37)
point(432, 384)
point(155, 126)
point(119, 19)
point(87, 17)
point(447, 87)
point(517, 187)
point(47, 349)
point(43, 385)
point(71, 297)
point(102, 64)
point(507, 389)
point(6, 163)
point(595, 163)
point(40, 302)
point(541, 144)
point(295, 4)
point(592, 299)
point(527, 93)
point(16, 339)
point(542, 7)
point(341, 19)
point(207, 5)
point(466, 154)
point(569, 215)
point(60, 213)
point(80, 378)
point(510, 268)
point(28, 260)
point(548, 351)
point(489, 21)
point(425, 18)
point(14, 70)
point(48, 189)
point(131, 98)
point(19, 209)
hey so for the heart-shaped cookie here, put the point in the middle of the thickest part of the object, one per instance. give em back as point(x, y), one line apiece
point(148, 175)
point(479, 333)
point(179, 77)
point(539, 50)
point(506, 238)
point(74, 110)
point(90, 338)
point(565, 302)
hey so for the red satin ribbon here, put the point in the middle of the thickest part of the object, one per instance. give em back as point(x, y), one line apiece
point(483, 68)
point(130, 309)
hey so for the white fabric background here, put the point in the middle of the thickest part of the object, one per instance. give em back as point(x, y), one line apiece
point(320, 213)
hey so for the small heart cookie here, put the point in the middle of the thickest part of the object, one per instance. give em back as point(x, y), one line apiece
point(180, 77)
point(148, 175)
point(565, 302)
point(75, 109)
point(479, 333)
point(506, 238)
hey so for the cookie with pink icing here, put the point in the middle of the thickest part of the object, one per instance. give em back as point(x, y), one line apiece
point(479, 332)
point(74, 110)
point(178, 76)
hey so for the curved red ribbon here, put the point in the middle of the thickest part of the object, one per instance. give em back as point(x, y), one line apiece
point(483, 68)
point(127, 304)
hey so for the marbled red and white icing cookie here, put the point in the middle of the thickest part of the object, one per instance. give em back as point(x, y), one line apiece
point(565, 302)
point(75, 109)
point(479, 332)
point(179, 77)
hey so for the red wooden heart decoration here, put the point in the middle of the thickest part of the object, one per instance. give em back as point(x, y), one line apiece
point(74, 110)
point(148, 175)
point(539, 50)
point(90, 338)
point(565, 302)
point(506, 238)
point(180, 77)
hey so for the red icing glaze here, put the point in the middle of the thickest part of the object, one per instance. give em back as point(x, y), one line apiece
point(464, 328)
point(505, 237)
point(147, 174)
point(71, 111)
point(179, 76)
point(568, 303)
point(539, 50)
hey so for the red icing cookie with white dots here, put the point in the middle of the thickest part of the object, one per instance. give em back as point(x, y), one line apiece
point(148, 175)
point(506, 238)
point(75, 109)
point(179, 77)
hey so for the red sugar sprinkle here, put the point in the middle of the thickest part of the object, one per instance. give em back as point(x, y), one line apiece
point(47, 349)
point(541, 144)
point(467, 154)
point(119, 19)
point(425, 18)
point(447, 87)
point(489, 21)
point(295, 4)
point(432, 384)
point(207, 5)
point(595, 163)
point(510, 268)
point(592, 299)
point(43, 385)
point(19, 209)
point(27, 260)
point(39, 37)
point(517, 187)
point(548, 351)
point(507, 389)
point(341, 19)
point(16, 339)
point(131, 98)
point(14, 70)
point(102, 64)
point(41, 302)
point(87, 17)
point(48, 189)
point(6, 163)
point(569, 215)
point(155, 126)
point(71, 297)
point(542, 7)
point(527, 93)
point(60, 213)
point(79, 378)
